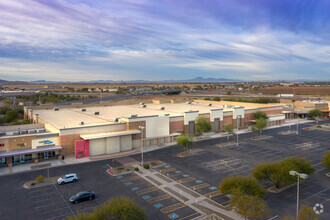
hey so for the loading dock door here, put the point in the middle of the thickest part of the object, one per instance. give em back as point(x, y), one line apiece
point(97, 146)
point(126, 143)
point(216, 124)
point(113, 145)
point(191, 127)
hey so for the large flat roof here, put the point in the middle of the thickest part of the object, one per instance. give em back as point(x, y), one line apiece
point(71, 117)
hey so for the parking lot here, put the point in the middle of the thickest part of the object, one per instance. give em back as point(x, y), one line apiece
point(212, 164)
point(52, 201)
point(201, 173)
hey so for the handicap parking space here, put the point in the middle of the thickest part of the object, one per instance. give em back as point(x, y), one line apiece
point(168, 206)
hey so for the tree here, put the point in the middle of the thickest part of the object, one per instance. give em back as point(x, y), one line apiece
point(314, 113)
point(217, 99)
point(122, 208)
point(207, 98)
point(11, 115)
point(202, 124)
point(261, 123)
point(326, 160)
point(260, 114)
point(245, 185)
point(307, 213)
point(185, 141)
point(229, 129)
point(3, 110)
point(248, 206)
point(278, 172)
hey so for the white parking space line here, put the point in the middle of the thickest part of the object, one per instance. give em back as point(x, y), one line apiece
point(318, 149)
point(48, 195)
point(42, 200)
point(59, 216)
point(36, 191)
point(47, 212)
point(315, 194)
point(64, 200)
point(273, 217)
point(39, 207)
point(109, 166)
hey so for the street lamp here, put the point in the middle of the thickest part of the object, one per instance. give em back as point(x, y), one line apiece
point(237, 118)
point(142, 127)
point(302, 176)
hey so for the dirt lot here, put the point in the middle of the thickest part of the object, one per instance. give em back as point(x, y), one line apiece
point(321, 90)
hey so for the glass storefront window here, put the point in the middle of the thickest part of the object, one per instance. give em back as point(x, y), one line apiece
point(2, 160)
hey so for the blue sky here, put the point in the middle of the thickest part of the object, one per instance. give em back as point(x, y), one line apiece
point(165, 39)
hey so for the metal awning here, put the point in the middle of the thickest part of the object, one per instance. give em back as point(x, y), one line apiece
point(109, 134)
point(30, 151)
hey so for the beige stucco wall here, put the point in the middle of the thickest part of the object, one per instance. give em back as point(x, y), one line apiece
point(190, 116)
point(238, 111)
point(39, 142)
point(216, 113)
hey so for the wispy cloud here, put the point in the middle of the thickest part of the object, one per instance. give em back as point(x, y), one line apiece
point(138, 39)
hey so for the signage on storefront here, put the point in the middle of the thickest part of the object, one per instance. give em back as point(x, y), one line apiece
point(46, 141)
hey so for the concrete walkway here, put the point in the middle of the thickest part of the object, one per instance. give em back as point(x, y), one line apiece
point(190, 198)
point(72, 160)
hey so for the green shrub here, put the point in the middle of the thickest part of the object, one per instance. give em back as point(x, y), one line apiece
point(136, 169)
point(278, 172)
point(245, 185)
point(40, 179)
point(326, 160)
point(146, 166)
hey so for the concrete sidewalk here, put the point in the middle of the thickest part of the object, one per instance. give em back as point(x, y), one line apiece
point(190, 198)
point(72, 160)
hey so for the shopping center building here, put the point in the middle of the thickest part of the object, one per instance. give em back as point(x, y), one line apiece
point(86, 131)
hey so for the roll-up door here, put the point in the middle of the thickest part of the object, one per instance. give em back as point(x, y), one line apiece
point(126, 142)
point(113, 145)
point(97, 147)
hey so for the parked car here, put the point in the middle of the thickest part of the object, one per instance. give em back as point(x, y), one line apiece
point(67, 178)
point(82, 196)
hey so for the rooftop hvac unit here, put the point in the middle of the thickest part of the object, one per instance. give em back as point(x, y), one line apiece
point(56, 109)
point(96, 113)
point(24, 131)
point(143, 106)
point(116, 119)
point(162, 108)
point(42, 130)
point(210, 104)
point(32, 131)
point(134, 116)
point(83, 109)
point(2, 133)
point(81, 123)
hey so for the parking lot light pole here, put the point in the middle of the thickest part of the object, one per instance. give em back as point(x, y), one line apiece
point(302, 176)
point(142, 127)
point(297, 125)
point(237, 118)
